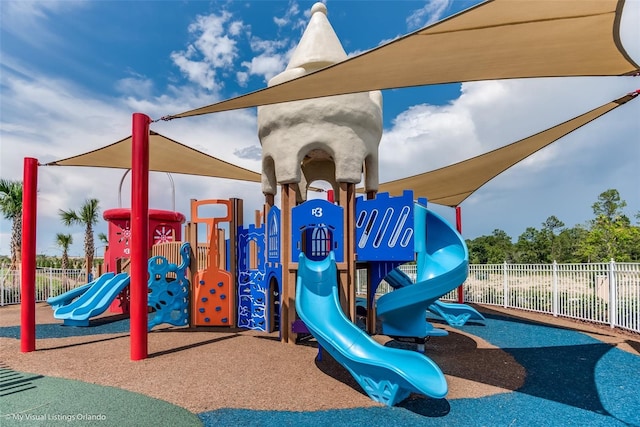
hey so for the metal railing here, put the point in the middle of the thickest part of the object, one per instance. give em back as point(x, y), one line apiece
point(50, 282)
point(607, 293)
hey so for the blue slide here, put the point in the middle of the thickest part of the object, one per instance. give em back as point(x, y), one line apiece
point(454, 314)
point(387, 375)
point(94, 301)
point(66, 298)
point(442, 265)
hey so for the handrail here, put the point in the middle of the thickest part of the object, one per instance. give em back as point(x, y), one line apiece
point(173, 190)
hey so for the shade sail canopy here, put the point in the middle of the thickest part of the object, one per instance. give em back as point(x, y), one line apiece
point(165, 155)
point(451, 185)
point(498, 39)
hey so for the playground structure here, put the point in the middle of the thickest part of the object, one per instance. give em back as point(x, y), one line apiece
point(164, 226)
point(239, 282)
point(299, 265)
point(236, 282)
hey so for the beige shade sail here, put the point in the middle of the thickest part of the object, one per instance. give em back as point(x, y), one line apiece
point(165, 155)
point(498, 39)
point(450, 185)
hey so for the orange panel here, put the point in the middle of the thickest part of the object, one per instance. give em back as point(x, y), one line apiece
point(214, 294)
point(213, 298)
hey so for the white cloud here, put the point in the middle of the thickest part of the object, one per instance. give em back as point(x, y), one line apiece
point(242, 78)
point(27, 20)
point(436, 135)
point(271, 58)
point(268, 46)
point(213, 49)
point(291, 17)
point(137, 86)
point(252, 152)
point(431, 12)
point(236, 28)
point(50, 119)
point(264, 65)
point(198, 72)
point(563, 179)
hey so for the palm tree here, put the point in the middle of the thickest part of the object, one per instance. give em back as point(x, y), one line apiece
point(102, 238)
point(11, 208)
point(64, 241)
point(87, 216)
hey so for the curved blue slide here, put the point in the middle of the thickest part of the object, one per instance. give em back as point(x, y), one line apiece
point(387, 375)
point(454, 314)
point(442, 265)
point(94, 301)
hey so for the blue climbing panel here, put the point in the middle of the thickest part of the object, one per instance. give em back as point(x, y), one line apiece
point(169, 290)
point(317, 229)
point(253, 295)
point(384, 228)
point(273, 267)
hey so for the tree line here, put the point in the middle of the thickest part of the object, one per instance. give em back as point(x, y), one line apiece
point(609, 235)
point(51, 261)
point(86, 216)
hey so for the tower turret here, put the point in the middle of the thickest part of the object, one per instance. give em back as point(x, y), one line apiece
point(334, 138)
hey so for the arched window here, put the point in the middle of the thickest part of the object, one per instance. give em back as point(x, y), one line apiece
point(274, 239)
point(318, 242)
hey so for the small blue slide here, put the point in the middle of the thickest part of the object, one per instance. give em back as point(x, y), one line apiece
point(442, 265)
point(93, 301)
point(66, 298)
point(455, 314)
point(387, 375)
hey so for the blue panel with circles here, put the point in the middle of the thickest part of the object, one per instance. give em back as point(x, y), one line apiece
point(169, 290)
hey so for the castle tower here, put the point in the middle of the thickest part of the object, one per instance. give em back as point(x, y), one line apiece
point(334, 139)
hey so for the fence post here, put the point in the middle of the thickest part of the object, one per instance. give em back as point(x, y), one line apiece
point(613, 295)
point(50, 283)
point(505, 286)
point(554, 289)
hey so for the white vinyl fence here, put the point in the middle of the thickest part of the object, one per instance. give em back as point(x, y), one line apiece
point(607, 293)
point(50, 282)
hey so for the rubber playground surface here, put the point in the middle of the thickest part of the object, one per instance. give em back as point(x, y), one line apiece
point(516, 369)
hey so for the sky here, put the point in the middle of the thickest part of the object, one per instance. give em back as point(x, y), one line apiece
point(73, 72)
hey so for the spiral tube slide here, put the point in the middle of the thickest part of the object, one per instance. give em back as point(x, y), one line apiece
point(442, 265)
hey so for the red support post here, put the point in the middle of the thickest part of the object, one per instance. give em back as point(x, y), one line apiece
point(28, 261)
point(331, 196)
point(459, 228)
point(139, 235)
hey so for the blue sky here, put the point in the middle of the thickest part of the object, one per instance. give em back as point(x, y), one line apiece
point(72, 72)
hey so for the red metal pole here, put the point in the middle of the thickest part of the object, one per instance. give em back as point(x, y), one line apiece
point(28, 261)
point(139, 235)
point(459, 228)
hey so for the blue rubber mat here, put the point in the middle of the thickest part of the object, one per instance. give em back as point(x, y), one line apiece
point(565, 378)
point(570, 379)
point(57, 330)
